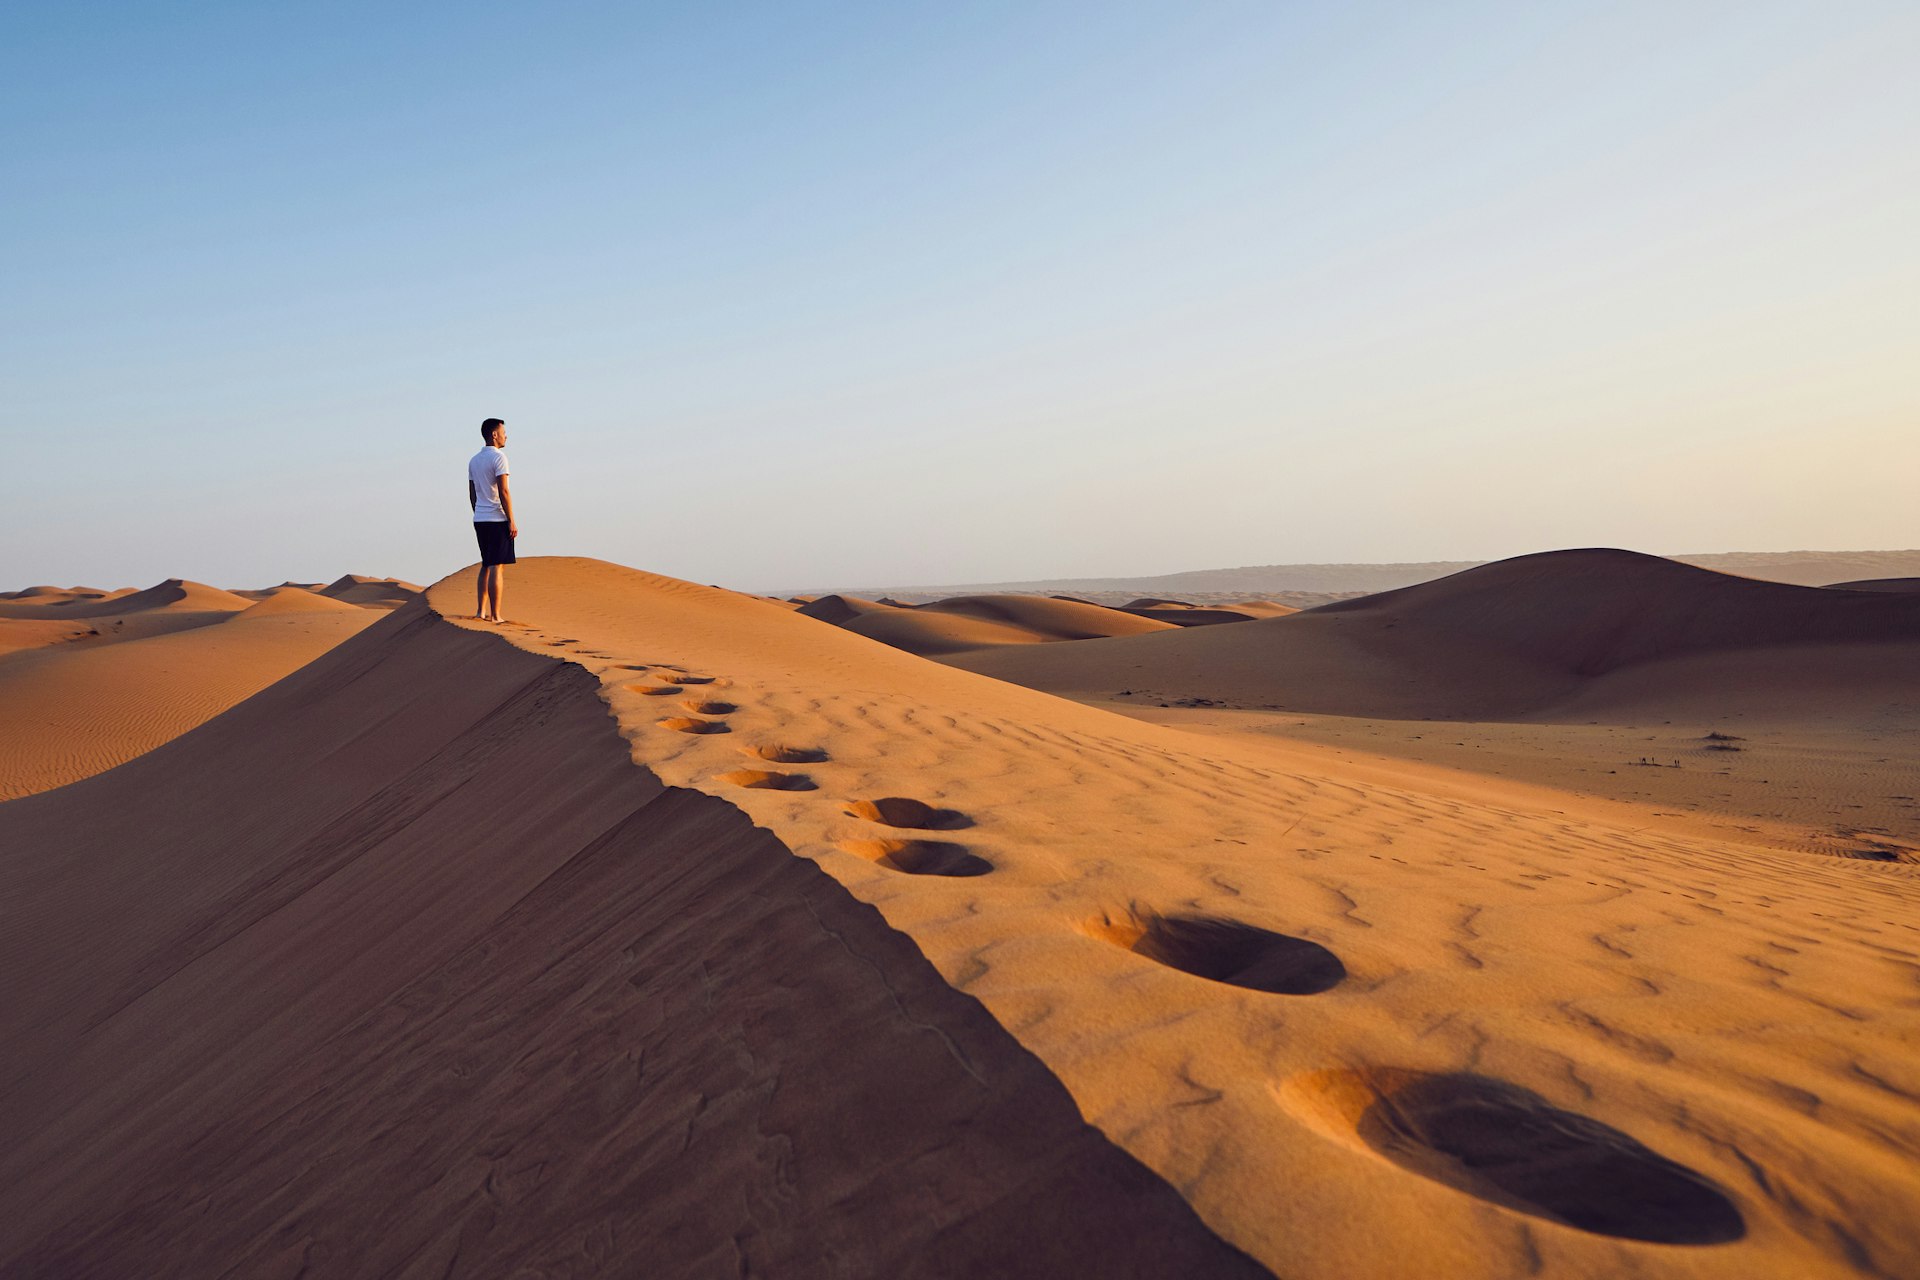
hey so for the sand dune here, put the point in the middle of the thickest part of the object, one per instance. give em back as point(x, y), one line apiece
point(291, 600)
point(1509, 640)
point(416, 973)
point(1102, 840)
point(175, 595)
point(17, 634)
point(840, 610)
point(45, 616)
point(99, 618)
point(422, 965)
point(62, 595)
point(384, 593)
point(71, 710)
point(1878, 584)
point(1184, 614)
point(1307, 585)
point(261, 593)
point(976, 622)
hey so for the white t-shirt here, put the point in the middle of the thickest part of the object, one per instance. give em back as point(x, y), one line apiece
point(484, 470)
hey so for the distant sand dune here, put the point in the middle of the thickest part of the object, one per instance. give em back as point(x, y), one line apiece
point(105, 689)
point(453, 946)
point(291, 600)
point(175, 594)
point(1183, 614)
point(354, 588)
point(1879, 584)
point(407, 951)
point(1506, 640)
point(18, 634)
point(977, 622)
point(1314, 584)
point(98, 618)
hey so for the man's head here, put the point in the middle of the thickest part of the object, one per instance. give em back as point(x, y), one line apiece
point(494, 431)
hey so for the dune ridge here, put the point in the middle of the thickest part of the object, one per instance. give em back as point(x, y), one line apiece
point(1507, 640)
point(79, 703)
point(1183, 613)
point(289, 600)
point(1710, 990)
point(1300, 583)
point(402, 967)
point(1353, 1018)
point(85, 683)
point(359, 589)
point(965, 623)
point(1877, 584)
point(175, 594)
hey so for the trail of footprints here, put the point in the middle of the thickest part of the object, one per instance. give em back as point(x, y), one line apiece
point(911, 855)
point(1482, 1136)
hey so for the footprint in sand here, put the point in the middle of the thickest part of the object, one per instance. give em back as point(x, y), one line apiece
point(780, 753)
point(692, 724)
point(919, 857)
point(915, 815)
point(769, 780)
point(704, 708)
point(1510, 1146)
point(655, 690)
point(1223, 950)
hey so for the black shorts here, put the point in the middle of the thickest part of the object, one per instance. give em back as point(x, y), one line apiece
point(496, 544)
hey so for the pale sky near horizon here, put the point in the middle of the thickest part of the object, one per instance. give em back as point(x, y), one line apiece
point(788, 294)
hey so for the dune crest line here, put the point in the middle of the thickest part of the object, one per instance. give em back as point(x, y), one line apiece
point(1638, 983)
point(402, 967)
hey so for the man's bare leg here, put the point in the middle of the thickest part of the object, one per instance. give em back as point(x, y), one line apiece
point(480, 593)
point(496, 589)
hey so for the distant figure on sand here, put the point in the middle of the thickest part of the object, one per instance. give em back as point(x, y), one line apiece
point(492, 501)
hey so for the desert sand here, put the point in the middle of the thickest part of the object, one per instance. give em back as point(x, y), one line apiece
point(1307, 585)
point(957, 625)
point(1880, 584)
point(965, 623)
point(1602, 673)
point(668, 931)
point(383, 593)
point(90, 680)
point(1556, 634)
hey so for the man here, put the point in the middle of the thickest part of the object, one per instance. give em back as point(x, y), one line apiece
point(491, 498)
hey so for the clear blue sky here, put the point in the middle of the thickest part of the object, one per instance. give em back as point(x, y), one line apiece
point(795, 294)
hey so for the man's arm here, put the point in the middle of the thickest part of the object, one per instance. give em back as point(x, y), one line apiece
point(473, 499)
point(506, 505)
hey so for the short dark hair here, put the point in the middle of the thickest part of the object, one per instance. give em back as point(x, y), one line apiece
point(486, 428)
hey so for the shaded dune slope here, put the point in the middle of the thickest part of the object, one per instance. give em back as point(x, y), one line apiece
point(284, 600)
point(377, 593)
point(1503, 640)
point(1878, 584)
point(402, 967)
point(1184, 614)
point(977, 622)
point(97, 618)
point(175, 593)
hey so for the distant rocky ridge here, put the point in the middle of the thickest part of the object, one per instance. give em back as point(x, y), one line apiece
point(1306, 585)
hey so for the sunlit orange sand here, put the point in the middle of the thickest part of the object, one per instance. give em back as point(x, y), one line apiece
point(89, 683)
point(429, 958)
